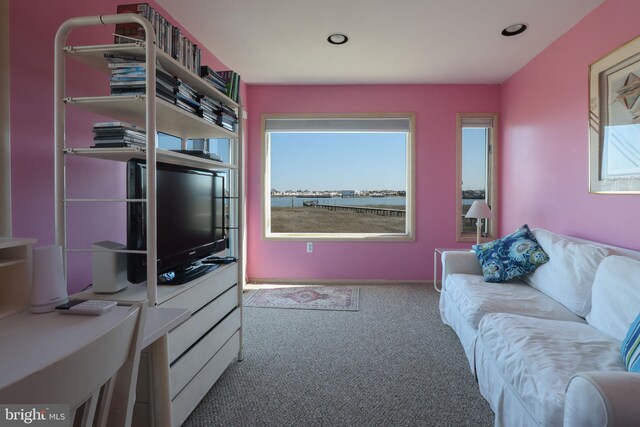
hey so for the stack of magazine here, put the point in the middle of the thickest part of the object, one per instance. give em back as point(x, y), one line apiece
point(228, 118)
point(118, 134)
point(210, 109)
point(128, 77)
point(214, 78)
point(187, 98)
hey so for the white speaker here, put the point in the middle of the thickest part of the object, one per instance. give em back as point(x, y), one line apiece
point(109, 268)
point(49, 286)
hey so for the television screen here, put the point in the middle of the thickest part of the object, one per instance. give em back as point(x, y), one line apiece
point(189, 212)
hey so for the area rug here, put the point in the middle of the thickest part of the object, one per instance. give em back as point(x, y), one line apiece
point(341, 298)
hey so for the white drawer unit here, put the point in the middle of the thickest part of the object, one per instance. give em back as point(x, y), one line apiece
point(186, 368)
point(206, 289)
point(183, 337)
point(202, 347)
point(189, 397)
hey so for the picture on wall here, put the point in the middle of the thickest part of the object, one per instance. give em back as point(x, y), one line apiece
point(614, 121)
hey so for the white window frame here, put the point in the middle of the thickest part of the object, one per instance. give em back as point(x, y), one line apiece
point(492, 174)
point(407, 236)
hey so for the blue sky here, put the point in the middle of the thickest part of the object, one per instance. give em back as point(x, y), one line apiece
point(356, 161)
point(474, 158)
point(338, 161)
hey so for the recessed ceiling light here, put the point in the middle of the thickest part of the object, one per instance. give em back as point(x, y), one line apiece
point(337, 38)
point(514, 30)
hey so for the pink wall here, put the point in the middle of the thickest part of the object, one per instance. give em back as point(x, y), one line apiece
point(435, 107)
point(544, 156)
point(33, 25)
point(543, 144)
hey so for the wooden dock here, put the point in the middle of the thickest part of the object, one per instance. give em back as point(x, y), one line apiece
point(358, 209)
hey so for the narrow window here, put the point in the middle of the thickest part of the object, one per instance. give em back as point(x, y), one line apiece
point(344, 177)
point(476, 172)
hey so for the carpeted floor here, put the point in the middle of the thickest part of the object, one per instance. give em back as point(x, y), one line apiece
point(392, 363)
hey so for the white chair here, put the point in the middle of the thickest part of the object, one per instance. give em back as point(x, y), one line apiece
point(99, 379)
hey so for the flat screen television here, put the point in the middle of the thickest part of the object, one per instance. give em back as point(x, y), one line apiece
point(190, 220)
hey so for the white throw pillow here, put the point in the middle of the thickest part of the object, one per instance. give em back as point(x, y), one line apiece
point(616, 296)
point(569, 274)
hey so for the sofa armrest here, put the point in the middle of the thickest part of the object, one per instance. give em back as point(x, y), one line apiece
point(459, 262)
point(602, 399)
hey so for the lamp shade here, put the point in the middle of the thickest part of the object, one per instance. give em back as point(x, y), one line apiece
point(479, 209)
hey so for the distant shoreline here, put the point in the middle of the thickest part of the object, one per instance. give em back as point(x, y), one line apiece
point(312, 220)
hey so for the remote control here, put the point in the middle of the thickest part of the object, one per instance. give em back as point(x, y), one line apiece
point(88, 307)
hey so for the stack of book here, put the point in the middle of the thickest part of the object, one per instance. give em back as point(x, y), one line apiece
point(118, 134)
point(228, 118)
point(214, 78)
point(210, 109)
point(168, 37)
point(187, 98)
point(128, 77)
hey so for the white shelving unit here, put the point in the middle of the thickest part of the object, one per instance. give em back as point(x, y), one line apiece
point(182, 367)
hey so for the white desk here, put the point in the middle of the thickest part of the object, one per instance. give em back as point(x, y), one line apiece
point(30, 342)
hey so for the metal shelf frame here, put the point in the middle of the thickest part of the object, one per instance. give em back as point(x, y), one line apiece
point(145, 110)
point(150, 127)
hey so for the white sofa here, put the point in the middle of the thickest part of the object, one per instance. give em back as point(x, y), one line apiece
point(546, 349)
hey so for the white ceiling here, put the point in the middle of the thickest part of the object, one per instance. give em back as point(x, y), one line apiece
point(391, 41)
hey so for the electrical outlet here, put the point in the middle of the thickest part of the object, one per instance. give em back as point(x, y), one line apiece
point(309, 247)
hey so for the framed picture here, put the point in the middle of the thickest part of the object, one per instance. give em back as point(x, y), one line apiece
point(614, 121)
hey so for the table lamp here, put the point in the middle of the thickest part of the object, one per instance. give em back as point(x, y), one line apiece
point(479, 210)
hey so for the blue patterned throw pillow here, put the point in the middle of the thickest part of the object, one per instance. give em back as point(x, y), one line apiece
point(630, 348)
point(511, 257)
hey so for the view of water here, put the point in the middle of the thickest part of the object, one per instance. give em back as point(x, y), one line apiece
point(355, 201)
point(282, 202)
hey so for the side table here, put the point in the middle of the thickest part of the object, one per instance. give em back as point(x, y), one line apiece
point(438, 253)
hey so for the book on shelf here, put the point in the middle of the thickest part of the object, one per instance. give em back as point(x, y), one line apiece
point(116, 144)
point(110, 134)
point(168, 37)
point(211, 76)
point(232, 81)
point(113, 141)
point(117, 124)
point(180, 103)
point(118, 134)
point(113, 59)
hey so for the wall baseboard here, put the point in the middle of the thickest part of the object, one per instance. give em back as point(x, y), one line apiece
point(337, 282)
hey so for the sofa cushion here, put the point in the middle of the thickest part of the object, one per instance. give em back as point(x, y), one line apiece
point(568, 276)
point(615, 296)
point(510, 257)
point(631, 347)
point(536, 358)
point(475, 298)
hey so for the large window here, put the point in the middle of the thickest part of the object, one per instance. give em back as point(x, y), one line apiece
point(476, 148)
point(338, 177)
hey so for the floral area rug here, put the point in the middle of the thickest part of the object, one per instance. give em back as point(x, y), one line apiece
point(341, 298)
